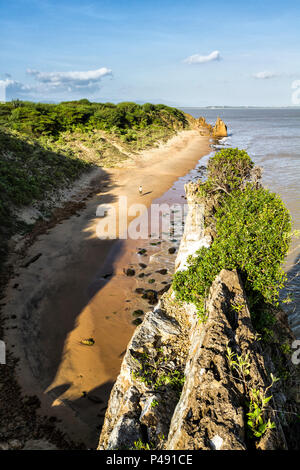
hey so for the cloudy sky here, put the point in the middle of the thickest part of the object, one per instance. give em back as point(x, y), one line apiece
point(191, 52)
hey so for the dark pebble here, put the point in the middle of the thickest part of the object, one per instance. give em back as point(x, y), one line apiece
point(129, 272)
point(140, 290)
point(138, 313)
point(151, 296)
point(162, 271)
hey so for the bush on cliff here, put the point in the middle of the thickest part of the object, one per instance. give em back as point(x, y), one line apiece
point(229, 168)
point(252, 235)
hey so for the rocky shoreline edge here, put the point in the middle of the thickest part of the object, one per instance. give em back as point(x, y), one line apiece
point(176, 389)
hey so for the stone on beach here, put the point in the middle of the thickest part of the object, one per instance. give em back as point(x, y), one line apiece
point(129, 272)
point(220, 129)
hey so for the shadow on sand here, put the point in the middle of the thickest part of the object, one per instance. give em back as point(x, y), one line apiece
point(49, 313)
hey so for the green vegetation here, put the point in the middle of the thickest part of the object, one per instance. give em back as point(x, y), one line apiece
point(239, 363)
point(154, 403)
point(256, 415)
point(228, 169)
point(45, 147)
point(140, 445)
point(154, 373)
point(252, 234)
point(263, 320)
point(257, 399)
point(100, 133)
point(29, 172)
point(251, 231)
point(124, 119)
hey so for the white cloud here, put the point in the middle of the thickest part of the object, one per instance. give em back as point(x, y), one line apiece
point(264, 75)
point(8, 83)
point(202, 59)
point(296, 94)
point(71, 81)
point(11, 88)
point(86, 82)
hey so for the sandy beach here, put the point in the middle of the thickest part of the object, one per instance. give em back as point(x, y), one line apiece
point(70, 293)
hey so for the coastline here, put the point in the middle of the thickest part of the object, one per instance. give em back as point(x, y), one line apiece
point(62, 291)
point(175, 348)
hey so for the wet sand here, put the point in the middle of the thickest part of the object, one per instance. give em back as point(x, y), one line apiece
point(76, 289)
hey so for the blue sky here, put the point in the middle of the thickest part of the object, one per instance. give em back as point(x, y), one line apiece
point(192, 52)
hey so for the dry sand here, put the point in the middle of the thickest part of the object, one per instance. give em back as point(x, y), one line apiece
point(62, 297)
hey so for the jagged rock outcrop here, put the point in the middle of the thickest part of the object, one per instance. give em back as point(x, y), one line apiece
point(194, 236)
point(142, 401)
point(148, 402)
point(203, 127)
point(211, 412)
point(219, 129)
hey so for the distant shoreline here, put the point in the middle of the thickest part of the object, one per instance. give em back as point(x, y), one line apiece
point(238, 107)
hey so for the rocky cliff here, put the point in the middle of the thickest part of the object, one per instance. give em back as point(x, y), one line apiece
point(220, 129)
point(179, 387)
point(217, 131)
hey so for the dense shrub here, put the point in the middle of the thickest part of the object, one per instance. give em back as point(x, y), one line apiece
point(252, 235)
point(28, 171)
point(228, 169)
point(38, 119)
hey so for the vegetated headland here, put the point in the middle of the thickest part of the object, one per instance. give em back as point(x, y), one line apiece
point(210, 367)
point(58, 162)
point(46, 147)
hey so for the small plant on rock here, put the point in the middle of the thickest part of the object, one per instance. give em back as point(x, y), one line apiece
point(257, 398)
point(258, 409)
